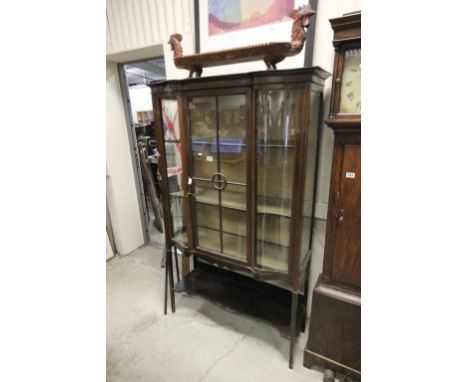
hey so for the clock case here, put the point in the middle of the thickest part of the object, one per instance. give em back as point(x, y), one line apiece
point(334, 340)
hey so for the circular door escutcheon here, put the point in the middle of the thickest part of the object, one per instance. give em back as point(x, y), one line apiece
point(219, 181)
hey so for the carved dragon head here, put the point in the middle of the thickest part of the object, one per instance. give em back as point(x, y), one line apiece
point(174, 42)
point(301, 17)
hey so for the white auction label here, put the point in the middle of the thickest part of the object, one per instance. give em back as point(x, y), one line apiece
point(209, 158)
point(351, 175)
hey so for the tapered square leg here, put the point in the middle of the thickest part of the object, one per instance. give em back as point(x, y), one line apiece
point(166, 282)
point(170, 269)
point(292, 329)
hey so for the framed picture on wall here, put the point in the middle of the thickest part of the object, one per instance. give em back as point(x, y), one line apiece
point(225, 24)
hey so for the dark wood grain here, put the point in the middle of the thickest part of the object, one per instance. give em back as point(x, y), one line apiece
point(346, 266)
point(335, 332)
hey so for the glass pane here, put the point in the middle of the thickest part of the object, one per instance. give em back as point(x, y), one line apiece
point(273, 241)
point(307, 218)
point(273, 229)
point(276, 128)
point(350, 101)
point(177, 213)
point(203, 134)
point(234, 221)
point(170, 118)
point(272, 256)
point(174, 168)
point(232, 137)
point(234, 233)
point(207, 211)
point(234, 196)
point(173, 158)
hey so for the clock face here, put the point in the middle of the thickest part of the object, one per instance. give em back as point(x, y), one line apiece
point(351, 83)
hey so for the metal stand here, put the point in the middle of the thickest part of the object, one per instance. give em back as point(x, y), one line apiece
point(292, 329)
point(176, 264)
point(169, 277)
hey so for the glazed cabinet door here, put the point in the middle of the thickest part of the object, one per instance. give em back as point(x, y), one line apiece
point(218, 177)
point(276, 127)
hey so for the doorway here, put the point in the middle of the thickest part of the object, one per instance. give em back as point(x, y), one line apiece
point(135, 77)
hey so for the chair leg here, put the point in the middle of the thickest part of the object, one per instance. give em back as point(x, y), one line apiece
point(292, 328)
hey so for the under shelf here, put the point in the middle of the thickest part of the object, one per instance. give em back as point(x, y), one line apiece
point(239, 293)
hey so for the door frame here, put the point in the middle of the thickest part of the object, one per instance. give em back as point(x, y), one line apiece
point(136, 165)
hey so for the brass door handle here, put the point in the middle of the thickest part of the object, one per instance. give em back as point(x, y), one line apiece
point(341, 215)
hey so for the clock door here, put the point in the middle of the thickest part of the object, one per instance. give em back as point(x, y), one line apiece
point(350, 99)
point(346, 266)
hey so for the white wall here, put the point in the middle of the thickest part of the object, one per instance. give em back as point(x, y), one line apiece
point(109, 251)
point(121, 188)
point(135, 30)
point(135, 25)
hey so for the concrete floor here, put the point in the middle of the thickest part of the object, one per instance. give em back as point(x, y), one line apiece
point(200, 342)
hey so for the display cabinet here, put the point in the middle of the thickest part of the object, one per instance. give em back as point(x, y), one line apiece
point(238, 163)
point(335, 322)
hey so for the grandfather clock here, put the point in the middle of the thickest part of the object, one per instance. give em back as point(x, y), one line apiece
point(335, 324)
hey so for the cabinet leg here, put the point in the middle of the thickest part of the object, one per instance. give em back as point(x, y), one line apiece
point(292, 328)
point(166, 282)
point(171, 277)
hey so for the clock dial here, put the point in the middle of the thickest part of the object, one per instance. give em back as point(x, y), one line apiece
point(351, 83)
